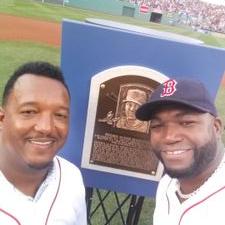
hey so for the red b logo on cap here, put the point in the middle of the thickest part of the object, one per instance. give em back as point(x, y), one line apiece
point(169, 88)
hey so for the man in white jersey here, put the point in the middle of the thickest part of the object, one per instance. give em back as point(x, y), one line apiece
point(36, 186)
point(185, 134)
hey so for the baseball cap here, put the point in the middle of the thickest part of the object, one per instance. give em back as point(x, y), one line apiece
point(186, 92)
point(137, 96)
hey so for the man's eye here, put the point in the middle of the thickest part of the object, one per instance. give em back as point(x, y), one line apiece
point(187, 123)
point(61, 115)
point(154, 126)
point(28, 112)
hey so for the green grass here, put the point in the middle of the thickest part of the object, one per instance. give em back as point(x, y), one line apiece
point(111, 206)
point(16, 53)
point(53, 12)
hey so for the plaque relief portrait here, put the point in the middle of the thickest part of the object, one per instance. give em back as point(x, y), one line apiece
point(115, 140)
point(131, 96)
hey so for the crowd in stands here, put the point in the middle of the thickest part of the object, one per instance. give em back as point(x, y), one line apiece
point(196, 13)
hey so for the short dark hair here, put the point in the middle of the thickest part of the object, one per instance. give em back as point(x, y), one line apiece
point(37, 68)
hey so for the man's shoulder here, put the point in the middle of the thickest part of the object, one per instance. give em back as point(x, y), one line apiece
point(66, 165)
point(163, 185)
point(70, 173)
point(165, 180)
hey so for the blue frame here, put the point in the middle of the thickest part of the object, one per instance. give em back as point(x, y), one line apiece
point(88, 49)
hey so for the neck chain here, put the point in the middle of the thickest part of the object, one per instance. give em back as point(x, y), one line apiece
point(186, 196)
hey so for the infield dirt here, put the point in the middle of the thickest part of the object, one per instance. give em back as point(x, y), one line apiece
point(25, 29)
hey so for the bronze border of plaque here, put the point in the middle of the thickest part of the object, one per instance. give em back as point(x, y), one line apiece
point(115, 140)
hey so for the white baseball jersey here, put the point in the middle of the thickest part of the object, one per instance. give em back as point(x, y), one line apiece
point(60, 200)
point(206, 207)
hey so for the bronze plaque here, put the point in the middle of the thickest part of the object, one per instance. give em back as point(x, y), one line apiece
point(118, 142)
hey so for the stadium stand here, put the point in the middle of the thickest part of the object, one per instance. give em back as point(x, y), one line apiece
point(197, 14)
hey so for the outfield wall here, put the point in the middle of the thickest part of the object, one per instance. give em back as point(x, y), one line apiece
point(114, 7)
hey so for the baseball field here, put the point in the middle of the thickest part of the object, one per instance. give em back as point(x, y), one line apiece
point(31, 30)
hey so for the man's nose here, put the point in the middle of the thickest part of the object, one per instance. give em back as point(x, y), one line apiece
point(44, 124)
point(171, 134)
point(133, 107)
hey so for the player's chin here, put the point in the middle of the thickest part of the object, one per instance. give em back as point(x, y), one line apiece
point(179, 173)
point(40, 165)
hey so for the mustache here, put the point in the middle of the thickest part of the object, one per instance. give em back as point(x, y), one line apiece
point(41, 137)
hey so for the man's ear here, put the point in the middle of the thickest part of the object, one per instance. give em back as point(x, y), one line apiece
point(2, 116)
point(218, 126)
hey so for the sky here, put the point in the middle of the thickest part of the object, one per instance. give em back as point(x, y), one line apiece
point(218, 2)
